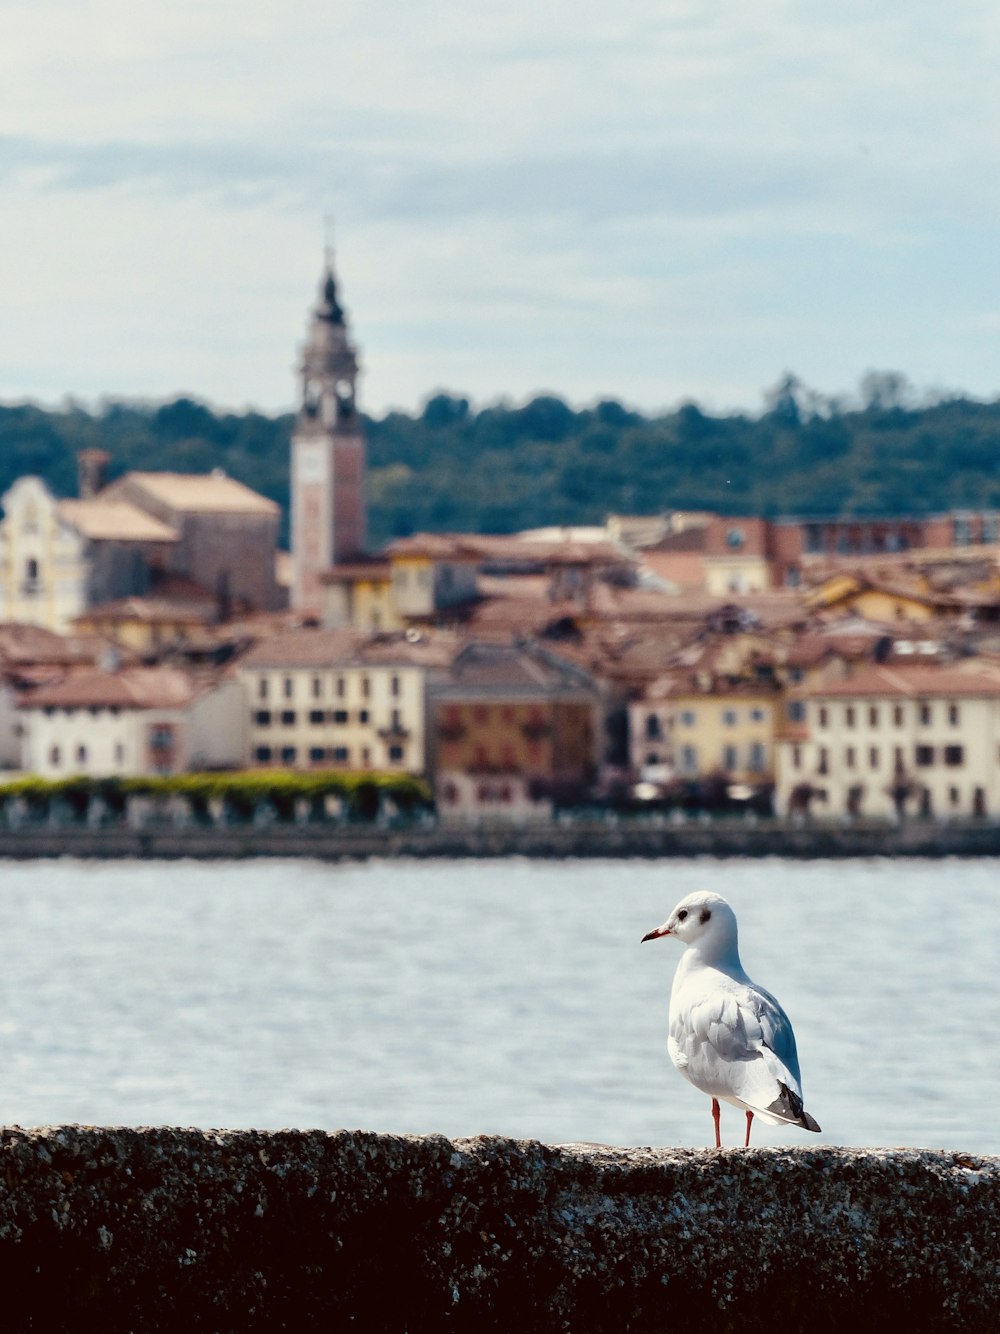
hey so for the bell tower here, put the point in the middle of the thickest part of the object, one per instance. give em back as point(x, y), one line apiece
point(328, 451)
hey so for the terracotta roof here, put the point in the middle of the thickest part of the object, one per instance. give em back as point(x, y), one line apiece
point(522, 669)
point(330, 648)
point(148, 610)
point(131, 688)
point(349, 572)
point(211, 493)
point(114, 520)
point(915, 681)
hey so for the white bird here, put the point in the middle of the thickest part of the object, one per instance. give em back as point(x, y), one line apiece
point(728, 1036)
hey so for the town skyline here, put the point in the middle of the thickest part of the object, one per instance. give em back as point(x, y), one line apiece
point(655, 205)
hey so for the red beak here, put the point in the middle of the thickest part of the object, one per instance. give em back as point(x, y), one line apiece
point(655, 935)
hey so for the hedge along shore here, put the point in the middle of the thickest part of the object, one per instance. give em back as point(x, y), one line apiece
point(336, 842)
point(169, 1229)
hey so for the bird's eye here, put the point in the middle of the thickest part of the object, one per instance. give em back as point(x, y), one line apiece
point(682, 914)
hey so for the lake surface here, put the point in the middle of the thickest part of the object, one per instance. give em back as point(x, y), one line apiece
point(508, 997)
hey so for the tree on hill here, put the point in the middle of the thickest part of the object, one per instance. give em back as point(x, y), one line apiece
point(503, 467)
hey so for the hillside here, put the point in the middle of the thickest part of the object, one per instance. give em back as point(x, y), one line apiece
point(506, 467)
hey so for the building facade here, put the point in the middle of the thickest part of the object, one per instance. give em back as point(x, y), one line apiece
point(321, 699)
point(889, 741)
point(517, 732)
point(140, 720)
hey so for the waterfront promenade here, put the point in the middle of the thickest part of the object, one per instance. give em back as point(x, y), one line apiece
point(608, 837)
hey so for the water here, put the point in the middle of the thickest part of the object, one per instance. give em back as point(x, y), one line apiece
point(509, 996)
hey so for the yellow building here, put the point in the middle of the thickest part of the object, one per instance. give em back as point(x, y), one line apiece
point(341, 699)
point(145, 625)
point(724, 731)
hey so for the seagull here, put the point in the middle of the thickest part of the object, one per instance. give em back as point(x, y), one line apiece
point(728, 1036)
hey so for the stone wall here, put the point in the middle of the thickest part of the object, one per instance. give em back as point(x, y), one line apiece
point(732, 838)
point(166, 1229)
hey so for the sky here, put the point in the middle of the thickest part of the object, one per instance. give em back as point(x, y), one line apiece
point(653, 200)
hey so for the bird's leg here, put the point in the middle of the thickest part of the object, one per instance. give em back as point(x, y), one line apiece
point(716, 1113)
point(746, 1143)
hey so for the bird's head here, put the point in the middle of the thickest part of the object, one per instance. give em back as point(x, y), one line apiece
point(702, 918)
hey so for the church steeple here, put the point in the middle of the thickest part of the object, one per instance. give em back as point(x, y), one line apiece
point(328, 450)
point(329, 366)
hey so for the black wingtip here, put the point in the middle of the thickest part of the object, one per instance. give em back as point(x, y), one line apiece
point(789, 1107)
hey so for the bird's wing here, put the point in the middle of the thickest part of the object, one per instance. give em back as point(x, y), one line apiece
point(746, 1036)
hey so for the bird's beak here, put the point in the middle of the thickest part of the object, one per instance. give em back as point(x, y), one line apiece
point(663, 930)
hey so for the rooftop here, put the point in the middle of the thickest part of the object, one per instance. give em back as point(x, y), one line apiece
point(107, 520)
point(131, 688)
point(209, 493)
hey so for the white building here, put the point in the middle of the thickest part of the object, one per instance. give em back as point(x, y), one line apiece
point(895, 740)
point(59, 556)
point(140, 720)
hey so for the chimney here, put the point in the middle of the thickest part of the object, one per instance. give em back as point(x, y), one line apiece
point(91, 471)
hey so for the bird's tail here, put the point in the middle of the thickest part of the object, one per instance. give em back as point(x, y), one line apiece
point(788, 1107)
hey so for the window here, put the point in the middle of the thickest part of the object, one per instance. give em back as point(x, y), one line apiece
point(925, 715)
point(953, 715)
point(824, 717)
point(758, 757)
point(689, 760)
point(823, 761)
point(730, 758)
point(262, 754)
point(688, 718)
point(395, 754)
point(873, 715)
point(652, 727)
point(897, 715)
point(366, 687)
point(119, 753)
point(729, 717)
point(849, 757)
point(340, 716)
point(81, 754)
point(924, 756)
point(55, 756)
point(735, 539)
point(288, 718)
point(366, 756)
point(316, 717)
point(397, 722)
point(796, 711)
point(288, 754)
point(316, 754)
point(363, 715)
point(262, 687)
point(341, 754)
point(317, 687)
point(954, 797)
point(394, 687)
point(288, 687)
point(873, 757)
point(796, 757)
point(954, 756)
point(756, 715)
point(849, 716)
point(262, 717)
point(341, 687)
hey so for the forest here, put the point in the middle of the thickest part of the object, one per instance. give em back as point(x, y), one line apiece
point(503, 467)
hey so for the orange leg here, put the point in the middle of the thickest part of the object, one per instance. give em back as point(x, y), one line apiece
point(746, 1143)
point(716, 1113)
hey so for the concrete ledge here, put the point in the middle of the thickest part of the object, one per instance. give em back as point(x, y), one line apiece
point(162, 1229)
